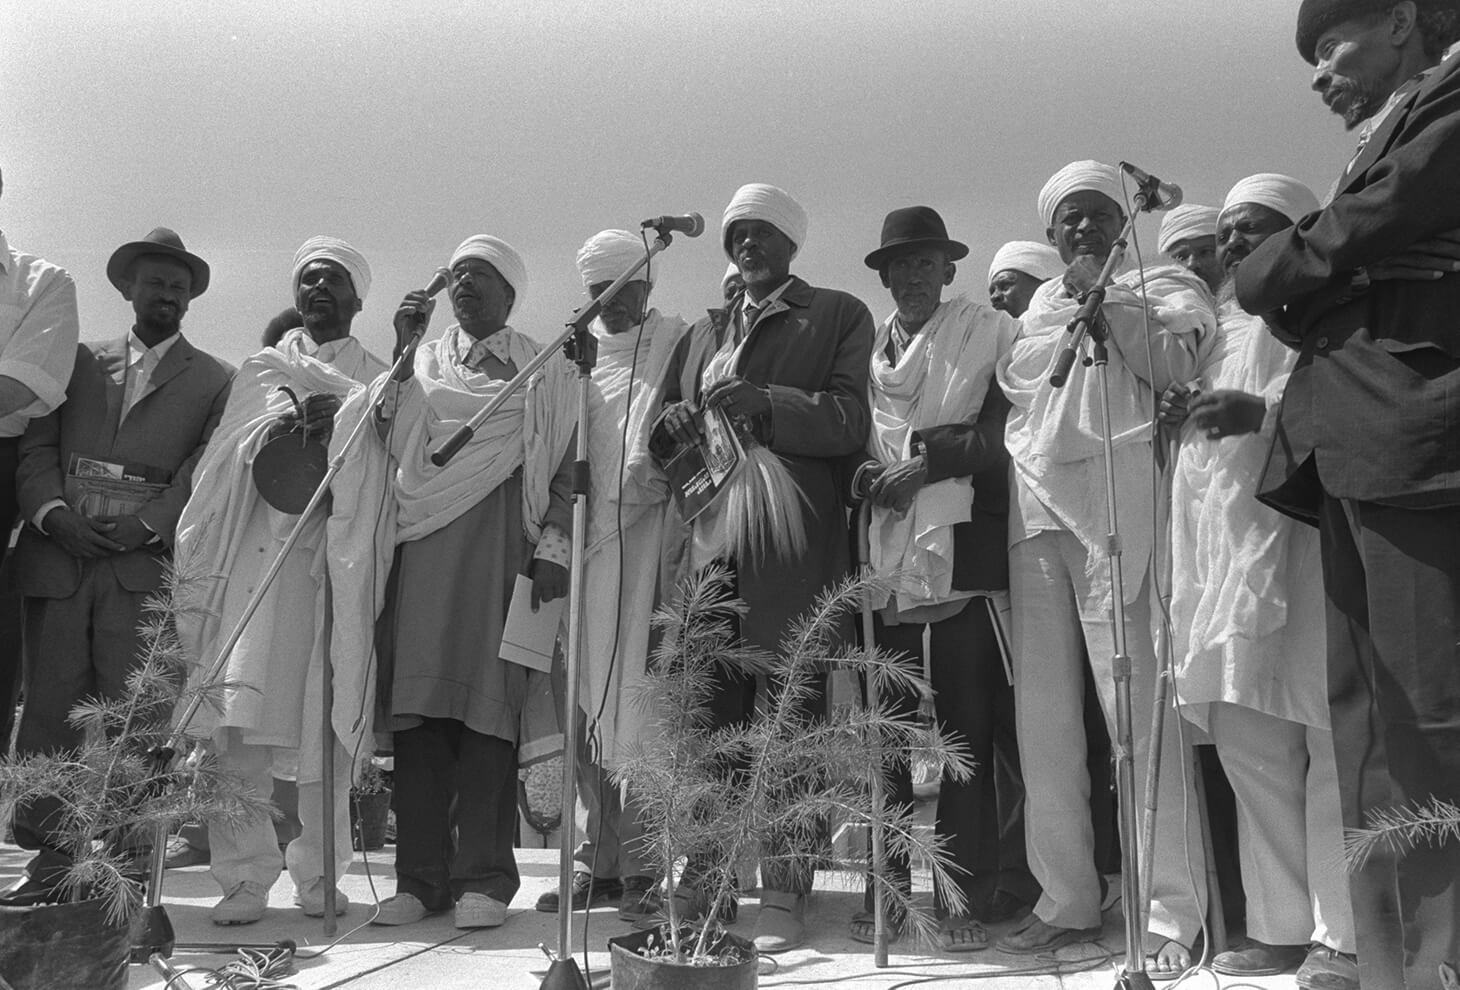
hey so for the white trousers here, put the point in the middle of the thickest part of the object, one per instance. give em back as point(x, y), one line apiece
point(1289, 828)
point(252, 852)
point(1053, 611)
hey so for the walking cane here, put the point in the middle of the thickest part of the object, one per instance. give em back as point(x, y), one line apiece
point(155, 932)
point(879, 851)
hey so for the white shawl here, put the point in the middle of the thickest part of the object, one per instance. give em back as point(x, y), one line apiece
point(942, 377)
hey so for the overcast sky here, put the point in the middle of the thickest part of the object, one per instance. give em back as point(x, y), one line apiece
point(405, 127)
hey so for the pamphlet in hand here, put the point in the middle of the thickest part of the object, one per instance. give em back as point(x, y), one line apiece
point(698, 473)
point(94, 487)
point(529, 637)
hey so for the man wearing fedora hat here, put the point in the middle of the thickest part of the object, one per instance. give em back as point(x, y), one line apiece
point(38, 333)
point(234, 525)
point(138, 412)
point(937, 478)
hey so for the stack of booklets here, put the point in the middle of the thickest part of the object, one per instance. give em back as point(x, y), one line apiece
point(94, 487)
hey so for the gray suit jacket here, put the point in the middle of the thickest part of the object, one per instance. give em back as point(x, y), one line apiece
point(166, 430)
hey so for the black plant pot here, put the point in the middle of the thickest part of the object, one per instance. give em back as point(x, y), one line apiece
point(47, 946)
point(632, 970)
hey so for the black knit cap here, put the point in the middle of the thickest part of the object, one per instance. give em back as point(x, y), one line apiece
point(1317, 16)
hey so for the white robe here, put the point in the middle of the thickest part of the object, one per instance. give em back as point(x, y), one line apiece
point(626, 524)
point(230, 535)
point(1247, 587)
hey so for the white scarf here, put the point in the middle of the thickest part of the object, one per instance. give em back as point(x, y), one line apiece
point(942, 377)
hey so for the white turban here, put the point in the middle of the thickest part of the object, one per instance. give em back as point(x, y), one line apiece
point(1185, 223)
point(758, 201)
point(609, 253)
point(1076, 177)
point(1030, 257)
point(501, 256)
point(342, 254)
point(731, 271)
point(1282, 193)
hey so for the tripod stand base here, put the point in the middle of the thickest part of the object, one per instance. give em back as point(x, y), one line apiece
point(1134, 981)
point(563, 974)
point(152, 935)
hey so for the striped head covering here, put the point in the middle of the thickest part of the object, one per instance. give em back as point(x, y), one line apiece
point(609, 253)
point(501, 256)
point(1037, 260)
point(1184, 223)
point(759, 201)
point(1077, 177)
point(1282, 193)
point(325, 248)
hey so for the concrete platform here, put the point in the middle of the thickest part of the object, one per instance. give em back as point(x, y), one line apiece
point(433, 954)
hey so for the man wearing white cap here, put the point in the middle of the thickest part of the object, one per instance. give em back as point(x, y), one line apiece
point(233, 532)
point(434, 553)
point(1059, 569)
point(626, 523)
point(1365, 447)
point(790, 369)
point(1247, 618)
point(1018, 268)
point(1188, 237)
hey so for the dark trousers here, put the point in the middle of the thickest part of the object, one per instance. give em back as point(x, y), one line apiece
point(1392, 581)
point(973, 700)
point(456, 813)
point(10, 655)
point(77, 647)
point(733, 703)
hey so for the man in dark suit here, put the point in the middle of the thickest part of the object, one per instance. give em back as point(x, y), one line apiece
point(139, 409)
point(1367, 448)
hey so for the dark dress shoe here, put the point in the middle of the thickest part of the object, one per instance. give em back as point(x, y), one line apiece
point(1259, 959)
point(1328, 969)
point(28, 891)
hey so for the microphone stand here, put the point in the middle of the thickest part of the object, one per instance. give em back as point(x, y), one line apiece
point(154, 933)
point(582, 349)
point(1087, 322)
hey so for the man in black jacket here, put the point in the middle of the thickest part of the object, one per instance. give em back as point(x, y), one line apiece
point(1366, 448)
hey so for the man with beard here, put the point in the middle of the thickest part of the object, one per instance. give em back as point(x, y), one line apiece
point(1018, 268)
point(1188, 237)
point(626, 526)
point(790, 368)
point(452, 540)
point(271, 712)
point(1059, 570)
point(1365, 447)
point(139, 408)
point(1247, 620)
point(937, 479)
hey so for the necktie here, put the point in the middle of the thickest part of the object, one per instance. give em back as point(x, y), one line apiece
point(138, 375)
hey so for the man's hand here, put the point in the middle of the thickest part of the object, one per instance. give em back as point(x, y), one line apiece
point(549, 581)
point(128, 532)
point(79, 536)
point(319, 415)
point(897, 485)
point(412, 316)
point(1425, 261)
point(739, 397)
point(1082, 275)
point(678, 420)
point(1175, 403)
point(1227, 412)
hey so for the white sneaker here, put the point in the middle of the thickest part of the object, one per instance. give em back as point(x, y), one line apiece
point(242, 905)
point(401, 909)
point(311, 899)
point(475, 910)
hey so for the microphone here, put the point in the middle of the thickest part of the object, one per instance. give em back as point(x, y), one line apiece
point(1159, 195)
point(440, 280)
point(690, 225)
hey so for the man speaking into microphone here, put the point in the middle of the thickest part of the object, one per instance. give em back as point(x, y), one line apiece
point(1059, 575)
point(271, 712)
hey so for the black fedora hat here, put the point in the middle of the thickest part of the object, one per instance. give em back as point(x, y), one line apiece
point(914, 226)
point(161, 241)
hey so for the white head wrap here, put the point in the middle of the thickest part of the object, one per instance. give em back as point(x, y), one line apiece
point(1184, 223)
point(342, 254)
point(732, 270)
point(1038, 260)
point(609, 253)
point(1282, 193)
point(1075, 177)
point(758, 201)
point(501, 256)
